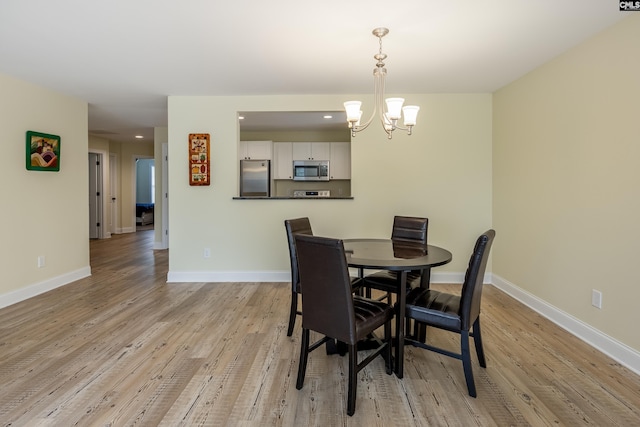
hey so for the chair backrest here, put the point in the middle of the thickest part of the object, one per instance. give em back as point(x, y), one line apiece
point(410, 229)
point(327, 300)
point(293, 227)
point(472, 288)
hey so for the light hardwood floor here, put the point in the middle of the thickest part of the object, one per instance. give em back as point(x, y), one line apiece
point(123, 347)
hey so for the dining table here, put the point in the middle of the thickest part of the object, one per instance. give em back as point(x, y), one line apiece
point(401, 257)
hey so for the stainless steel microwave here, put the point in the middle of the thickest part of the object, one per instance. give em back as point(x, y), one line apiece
point(311, 170)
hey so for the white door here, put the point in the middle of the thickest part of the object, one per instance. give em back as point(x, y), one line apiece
point(165, 195)
point(95, 198)
point(113, 196)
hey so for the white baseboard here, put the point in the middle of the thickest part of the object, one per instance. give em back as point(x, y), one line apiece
point(158, 246)
point(42, 287)
point(618, 351)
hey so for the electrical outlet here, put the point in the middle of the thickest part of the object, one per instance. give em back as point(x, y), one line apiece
point(41, 261)
point(206, 253)
point(596, 298)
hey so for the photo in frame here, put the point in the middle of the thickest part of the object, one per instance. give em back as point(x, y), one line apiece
point(199, 164)
point(43, 152)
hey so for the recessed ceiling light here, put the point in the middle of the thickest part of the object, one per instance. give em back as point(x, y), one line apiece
point(139, 136)
point(328, 117)
point(240, 117)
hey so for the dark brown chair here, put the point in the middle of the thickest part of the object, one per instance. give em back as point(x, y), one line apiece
point(293, 227)
point(407, 232)
point(330, 308)
point(455, 313)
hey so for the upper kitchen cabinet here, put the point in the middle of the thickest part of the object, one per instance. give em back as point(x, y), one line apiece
point(311, 150)
point(340, 160)
point(282, 160)
point(255, 150)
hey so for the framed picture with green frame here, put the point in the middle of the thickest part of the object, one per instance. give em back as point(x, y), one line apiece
point(43, 151)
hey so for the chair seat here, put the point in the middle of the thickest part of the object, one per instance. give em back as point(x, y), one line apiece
point(369, 314)
point(387, 281)
point(429, 306)
point(356, 283)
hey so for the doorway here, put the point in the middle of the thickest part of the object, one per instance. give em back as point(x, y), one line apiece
point(145, 193)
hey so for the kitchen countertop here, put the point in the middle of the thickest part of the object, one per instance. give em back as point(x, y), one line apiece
point(291, 198)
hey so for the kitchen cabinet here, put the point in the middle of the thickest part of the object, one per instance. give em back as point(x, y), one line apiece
point(338, 154)
point(256, 150)
point(282, 160)
point(311, 150)
point(340, 160)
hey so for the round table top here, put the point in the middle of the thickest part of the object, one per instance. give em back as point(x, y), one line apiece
point(389, 255)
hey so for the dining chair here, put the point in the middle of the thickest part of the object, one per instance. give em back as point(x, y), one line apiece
point(330, 308)
point(293, 227)
point(454, 313)
point(406, 230)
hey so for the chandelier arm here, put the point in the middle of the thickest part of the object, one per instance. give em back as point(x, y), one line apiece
point(365, 124)
point(380, 106)
point(377, 76)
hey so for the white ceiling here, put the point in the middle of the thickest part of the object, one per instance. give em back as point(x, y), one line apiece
point(124, 57)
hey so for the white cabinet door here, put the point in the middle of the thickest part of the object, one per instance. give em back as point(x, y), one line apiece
point(311, 150)
point(301, 150)
point(320, 150)
point(340, 161)
point(257, 150)
point(282, 160)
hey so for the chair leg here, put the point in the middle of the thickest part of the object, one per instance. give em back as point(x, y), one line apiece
point(407, 327)
point(293, 313)
point(420, 332)
point(353, 379)
point(387, 340)
point(304, 356)
point(477, 339)
point(466, 363)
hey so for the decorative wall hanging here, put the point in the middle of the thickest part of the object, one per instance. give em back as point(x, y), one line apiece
point(199, 159)
point(43, 151)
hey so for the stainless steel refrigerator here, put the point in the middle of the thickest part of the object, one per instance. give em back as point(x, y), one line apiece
point(255, 178)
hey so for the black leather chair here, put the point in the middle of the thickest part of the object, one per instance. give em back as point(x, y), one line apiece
point(293, 227)
point(330, 308)
point(455, 313)
point(407, 232)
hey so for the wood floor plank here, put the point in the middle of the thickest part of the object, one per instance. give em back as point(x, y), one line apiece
point(123, 347)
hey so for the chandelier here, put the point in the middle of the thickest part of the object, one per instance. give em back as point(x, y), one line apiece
point(394, 109)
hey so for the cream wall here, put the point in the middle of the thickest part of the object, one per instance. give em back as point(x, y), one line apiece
point(566, 178)
point(443, 172)
point(43, 213)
